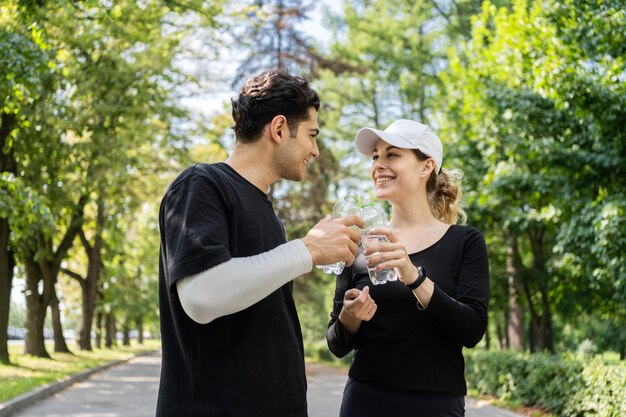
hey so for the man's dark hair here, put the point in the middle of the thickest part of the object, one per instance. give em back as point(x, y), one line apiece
point(267, 95)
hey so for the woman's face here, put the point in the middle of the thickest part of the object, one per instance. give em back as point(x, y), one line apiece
point(396, 172)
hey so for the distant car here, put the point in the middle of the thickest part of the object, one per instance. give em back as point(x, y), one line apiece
point(15, 333)
point(69, 334)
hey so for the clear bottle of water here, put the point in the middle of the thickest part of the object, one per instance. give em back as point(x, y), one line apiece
point(372, 217)
point(346, 207)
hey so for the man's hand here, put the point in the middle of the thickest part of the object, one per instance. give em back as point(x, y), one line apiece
point(333, 240)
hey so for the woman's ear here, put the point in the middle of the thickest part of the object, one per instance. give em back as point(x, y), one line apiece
point(428, 167)
point(278, 125)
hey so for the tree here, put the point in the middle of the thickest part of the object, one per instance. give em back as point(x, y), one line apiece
point(105, 109)
point(120, 74)
point(271, 37)
point(23, 55)
point(544, 131)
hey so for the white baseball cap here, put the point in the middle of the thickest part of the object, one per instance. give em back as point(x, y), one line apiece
point(402, 133)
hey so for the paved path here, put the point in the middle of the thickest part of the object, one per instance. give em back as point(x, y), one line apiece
point(126, 390)
point(129, 390)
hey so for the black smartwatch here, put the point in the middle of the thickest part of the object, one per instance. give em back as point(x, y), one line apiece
point(421, 276)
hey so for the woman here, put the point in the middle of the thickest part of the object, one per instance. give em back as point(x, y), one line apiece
point(408, 334)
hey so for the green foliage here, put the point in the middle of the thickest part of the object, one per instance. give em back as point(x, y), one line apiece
point(493, 373)
point(597, 27)
point(531, 102)
point(566, 386)
point(27, 214)
point(317, 351)
point(594, 247)
point(603, 394)
point(28, 64)
point(91, 104)
point(544, 146)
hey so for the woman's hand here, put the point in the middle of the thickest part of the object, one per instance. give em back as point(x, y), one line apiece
point(357, 306)
point(391, 254)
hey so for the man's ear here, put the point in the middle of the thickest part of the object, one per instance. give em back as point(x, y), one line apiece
point(278, 127)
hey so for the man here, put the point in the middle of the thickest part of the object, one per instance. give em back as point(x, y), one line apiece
point(232, 344)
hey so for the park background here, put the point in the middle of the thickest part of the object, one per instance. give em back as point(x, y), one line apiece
point(104, 102)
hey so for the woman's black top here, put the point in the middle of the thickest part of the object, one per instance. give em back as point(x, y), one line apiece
point(405, 348)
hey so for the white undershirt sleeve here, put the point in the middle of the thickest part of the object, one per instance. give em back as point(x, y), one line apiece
point(240, 282)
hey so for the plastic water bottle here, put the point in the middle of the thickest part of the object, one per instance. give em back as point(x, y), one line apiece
point(346, 207)
point(372, 217)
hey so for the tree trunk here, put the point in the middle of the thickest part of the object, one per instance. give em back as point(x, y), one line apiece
point(108, 331)
point(140, 331)
point(536, 289)
point(543, 331)
point(544, 341)
point(59, 339)
point(36, 311)
point(99, 330)
point(7, 258)
point(126, 335)
point(487, 338)
point(532, 334)
point(94, 267)
point(540, 328)
point(7, 263)
point(88, 308)
point(501, 332)
point(515, 319)
point(45, 269)
point(84, 332)
point(113, 329)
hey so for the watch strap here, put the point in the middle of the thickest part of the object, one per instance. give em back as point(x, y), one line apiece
point(421, 276)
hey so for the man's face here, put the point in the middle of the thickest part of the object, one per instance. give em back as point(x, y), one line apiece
point(296, 153)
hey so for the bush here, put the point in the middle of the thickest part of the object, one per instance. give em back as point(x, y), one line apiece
point(566, 386)
point(319, 352)
point(587, 348)
point(604, 391)
point(550, 380)
point(494, 373)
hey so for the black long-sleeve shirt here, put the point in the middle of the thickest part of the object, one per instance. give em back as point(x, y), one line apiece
point(405, 348)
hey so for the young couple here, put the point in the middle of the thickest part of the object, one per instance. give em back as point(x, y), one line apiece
point(231, 339)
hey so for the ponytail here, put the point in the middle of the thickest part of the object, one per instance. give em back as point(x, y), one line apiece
point(444, 193)
point(444, 196)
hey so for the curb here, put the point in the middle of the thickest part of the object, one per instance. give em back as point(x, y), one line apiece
point(484, 408)
point(24, 400)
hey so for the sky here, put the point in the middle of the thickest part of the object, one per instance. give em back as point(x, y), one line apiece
point(212, 101)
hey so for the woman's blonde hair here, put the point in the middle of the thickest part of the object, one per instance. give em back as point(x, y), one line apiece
point(444, 193)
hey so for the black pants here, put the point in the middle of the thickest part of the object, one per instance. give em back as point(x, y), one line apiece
point(363, 400)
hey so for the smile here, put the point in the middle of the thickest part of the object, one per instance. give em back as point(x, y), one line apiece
point(382, 180)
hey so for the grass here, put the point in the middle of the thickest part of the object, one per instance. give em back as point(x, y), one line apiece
point(27, 372)
point(610, 357)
